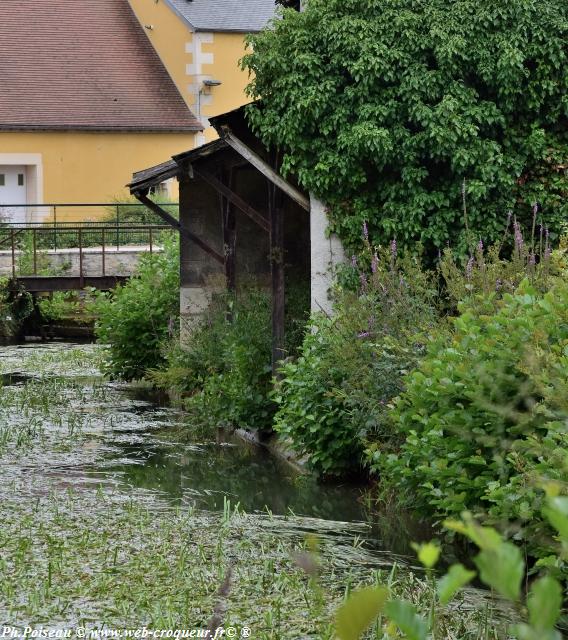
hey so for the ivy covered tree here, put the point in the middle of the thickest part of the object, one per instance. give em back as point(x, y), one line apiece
point(425, 118)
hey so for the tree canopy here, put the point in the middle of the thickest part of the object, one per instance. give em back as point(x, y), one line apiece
point(422, 118)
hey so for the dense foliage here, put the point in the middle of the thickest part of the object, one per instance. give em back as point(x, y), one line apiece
point(424, 118)
point(15, 307)
point(485, 415)
point(221, 370)
point(236, 344)
point(335, 396)
point(136, 319)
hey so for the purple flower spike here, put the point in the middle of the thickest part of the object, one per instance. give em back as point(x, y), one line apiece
point(480, 246)
point(532, 259)
point(469, 268)
point(363, 334)
point(393, 249)
point(363, 279)
point(518, 235)
point(365, 231)
point(354, 262)
point(374, 262)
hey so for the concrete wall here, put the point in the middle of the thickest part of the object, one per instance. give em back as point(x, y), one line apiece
point(66, 261)
point(326, 254)
point(200, 274)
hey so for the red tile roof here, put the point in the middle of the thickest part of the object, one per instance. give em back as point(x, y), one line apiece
point(83, 64)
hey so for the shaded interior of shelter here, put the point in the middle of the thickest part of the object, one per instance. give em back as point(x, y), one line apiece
point(210, 217)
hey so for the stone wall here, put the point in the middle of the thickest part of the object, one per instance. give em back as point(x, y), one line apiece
point(120, 262)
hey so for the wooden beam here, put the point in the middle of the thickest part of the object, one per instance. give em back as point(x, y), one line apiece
point(232, 197)
point(277, 278)
point(229, 236)
point(35, 284)
point(186, 233)
point(264, 168)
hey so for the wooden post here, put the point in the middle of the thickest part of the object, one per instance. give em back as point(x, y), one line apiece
point(229, 236)
point(277, 276)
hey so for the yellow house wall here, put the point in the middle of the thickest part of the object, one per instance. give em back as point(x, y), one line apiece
point(192, 57)
point(227, 49)
point(90, 167)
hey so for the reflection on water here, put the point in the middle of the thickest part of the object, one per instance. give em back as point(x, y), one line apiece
point(204, 472)
point(122, 440)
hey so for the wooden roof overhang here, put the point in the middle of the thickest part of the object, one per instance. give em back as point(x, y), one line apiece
point(232, 149)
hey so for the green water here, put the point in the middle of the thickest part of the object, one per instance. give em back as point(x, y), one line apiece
point(105, 494)
point(96, 433)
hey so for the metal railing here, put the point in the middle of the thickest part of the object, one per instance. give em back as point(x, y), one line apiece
point(30, 248)
point(86, 213)
point(57, 247)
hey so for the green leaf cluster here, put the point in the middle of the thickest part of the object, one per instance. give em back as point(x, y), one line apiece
point(429, 119)
point(501, 567)
point(335, 396)
point(136, 319)
point(485, 417)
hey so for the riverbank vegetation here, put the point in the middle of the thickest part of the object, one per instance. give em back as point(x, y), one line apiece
point(447, 387)
point(442, 375)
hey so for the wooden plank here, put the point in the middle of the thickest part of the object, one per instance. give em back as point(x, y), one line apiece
point(232, 197)
point(186, 233)
point(229, 236)
point(264, 168)
point(66, 283)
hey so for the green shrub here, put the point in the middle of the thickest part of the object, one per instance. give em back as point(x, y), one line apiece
point(387, 109)
point(234, 377)
point(333, 398)
point(485, 416)
point(15, 307)
point(135, 320)
point(223, 369)
point(59, 305)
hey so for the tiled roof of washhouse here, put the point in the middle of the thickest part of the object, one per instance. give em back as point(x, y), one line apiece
point(76, 65)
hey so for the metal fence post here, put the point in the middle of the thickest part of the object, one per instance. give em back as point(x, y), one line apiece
point(103, 255)
point(55, 227)
point(35, 250)
point(117, 228)
point(81, 281)
point(13, 254)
